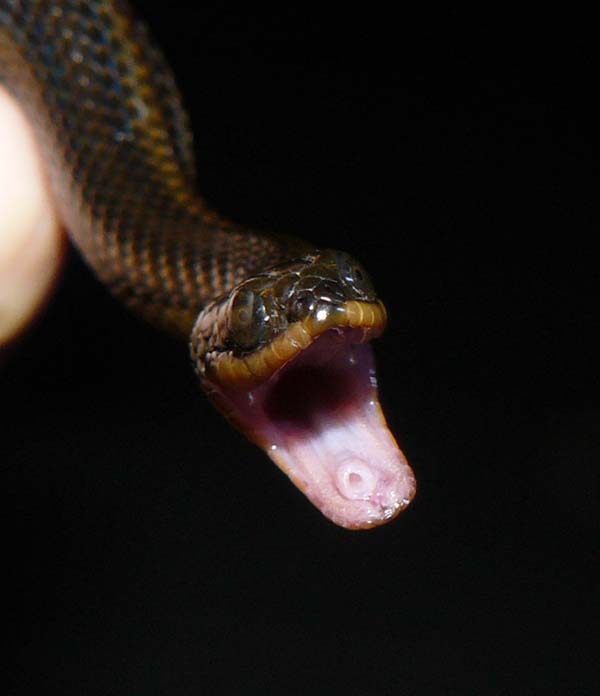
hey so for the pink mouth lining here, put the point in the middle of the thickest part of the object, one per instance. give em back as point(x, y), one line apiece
point(319, 420)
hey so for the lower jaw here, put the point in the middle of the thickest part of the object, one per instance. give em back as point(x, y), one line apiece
point(319, 419)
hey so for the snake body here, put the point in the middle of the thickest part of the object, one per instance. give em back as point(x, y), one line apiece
point(118, 151)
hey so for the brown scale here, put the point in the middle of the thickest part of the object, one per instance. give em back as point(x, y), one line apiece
point(116, 140)
point(119, 152)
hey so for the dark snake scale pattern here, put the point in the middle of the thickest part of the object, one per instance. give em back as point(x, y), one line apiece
point(278, 329)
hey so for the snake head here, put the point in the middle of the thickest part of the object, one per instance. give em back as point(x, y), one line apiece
point(284, 356)
point(262, 323)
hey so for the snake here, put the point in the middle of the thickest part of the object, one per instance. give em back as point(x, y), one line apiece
point(279, 329)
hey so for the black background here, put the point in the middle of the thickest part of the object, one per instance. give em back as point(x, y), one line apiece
point(152, 550)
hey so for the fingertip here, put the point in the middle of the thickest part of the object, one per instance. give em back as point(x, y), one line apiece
point(31, 244)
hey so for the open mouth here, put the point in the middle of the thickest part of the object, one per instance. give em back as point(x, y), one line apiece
point(318, 418)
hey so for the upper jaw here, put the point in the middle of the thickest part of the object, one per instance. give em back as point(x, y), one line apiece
point(367, 319)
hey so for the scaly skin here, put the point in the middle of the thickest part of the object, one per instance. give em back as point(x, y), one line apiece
point(118, 153)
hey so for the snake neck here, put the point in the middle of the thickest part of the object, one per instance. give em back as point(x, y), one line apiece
point(120, 160)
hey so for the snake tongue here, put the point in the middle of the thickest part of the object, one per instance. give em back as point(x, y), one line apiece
point(319, 420)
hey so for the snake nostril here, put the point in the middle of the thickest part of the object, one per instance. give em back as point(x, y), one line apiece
point(301, 306)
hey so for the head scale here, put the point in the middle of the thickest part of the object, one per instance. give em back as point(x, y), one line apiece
point(262, 322)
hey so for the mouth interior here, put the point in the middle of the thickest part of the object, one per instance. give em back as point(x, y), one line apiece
point(319, 419)
point(320, 384)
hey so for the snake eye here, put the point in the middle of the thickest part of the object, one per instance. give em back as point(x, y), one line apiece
point(248, 321)
point(354, 275)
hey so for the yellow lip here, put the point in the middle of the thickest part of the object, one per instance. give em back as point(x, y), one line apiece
point(227, 369)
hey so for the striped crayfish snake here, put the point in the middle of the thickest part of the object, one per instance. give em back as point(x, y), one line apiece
point(279, 330)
